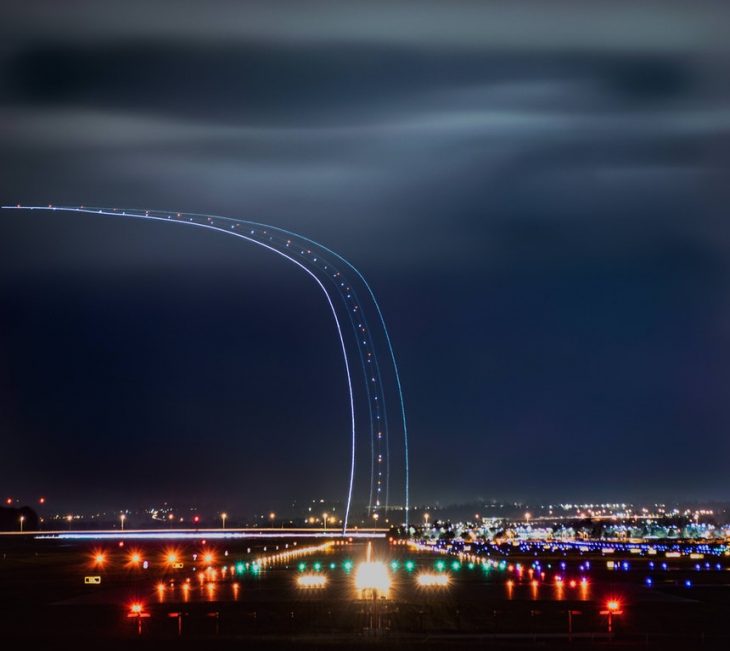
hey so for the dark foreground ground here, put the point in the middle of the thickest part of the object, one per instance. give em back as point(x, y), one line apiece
point(45, 602)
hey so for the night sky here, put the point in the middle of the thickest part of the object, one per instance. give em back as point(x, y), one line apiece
point(538, 195)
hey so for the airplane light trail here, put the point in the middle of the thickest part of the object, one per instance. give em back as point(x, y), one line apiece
point(388, 340)
point(321, 269)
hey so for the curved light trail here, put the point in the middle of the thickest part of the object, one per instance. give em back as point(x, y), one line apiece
point(298, 249)
point(388, 340)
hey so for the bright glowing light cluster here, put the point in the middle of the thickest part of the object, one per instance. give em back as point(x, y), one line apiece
point(312, 581)
point(433, 580)
point(372, 575)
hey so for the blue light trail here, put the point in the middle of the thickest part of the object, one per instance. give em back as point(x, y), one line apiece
point(316, 260)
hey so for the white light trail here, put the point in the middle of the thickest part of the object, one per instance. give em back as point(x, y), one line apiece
point(292, 249)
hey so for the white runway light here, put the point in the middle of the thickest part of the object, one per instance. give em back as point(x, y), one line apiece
point(372, 575)
point(432, 580)
point(312, 581)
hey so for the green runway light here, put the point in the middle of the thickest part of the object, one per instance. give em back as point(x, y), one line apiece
point(456, 566)
point(240, 568)
point(333, 566)
point(394, 565)
point(347, 566)
point(317, 566)
point(470, 566)
point(410, 566)
point(440, 566)
point(301, 567)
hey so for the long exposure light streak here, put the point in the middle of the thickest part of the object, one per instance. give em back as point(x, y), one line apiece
point(388, 340)
point(375, 398)
point(391, 353)
point(295, 246)
point(186, 534)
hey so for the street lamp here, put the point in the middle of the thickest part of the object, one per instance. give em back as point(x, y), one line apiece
point(223, 519)
point(324, 521)
point(22, 519)
point(122, 518)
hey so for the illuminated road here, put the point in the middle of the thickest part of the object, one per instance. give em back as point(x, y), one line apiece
point(195, 534)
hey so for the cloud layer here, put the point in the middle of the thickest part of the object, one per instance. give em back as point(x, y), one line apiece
point(538, 192)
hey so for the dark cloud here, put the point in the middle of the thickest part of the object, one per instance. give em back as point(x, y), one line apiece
point(336, 84)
